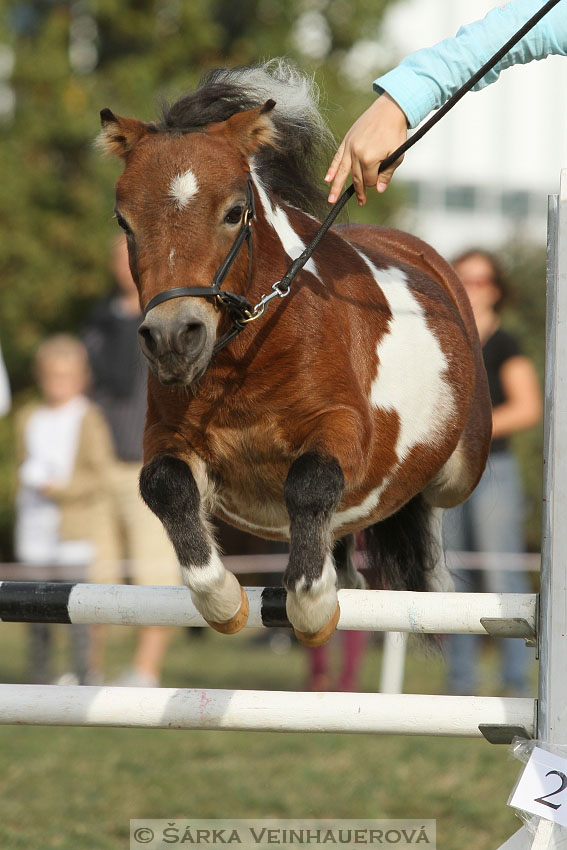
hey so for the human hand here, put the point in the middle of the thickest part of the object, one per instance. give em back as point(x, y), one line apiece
point(375, 135)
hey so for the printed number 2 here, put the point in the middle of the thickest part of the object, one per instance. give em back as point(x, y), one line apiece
point(561, 788)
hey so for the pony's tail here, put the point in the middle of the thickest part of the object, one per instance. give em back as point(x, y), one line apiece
point(402, 550)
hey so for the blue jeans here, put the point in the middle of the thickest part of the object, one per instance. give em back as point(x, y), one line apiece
point(490, 521)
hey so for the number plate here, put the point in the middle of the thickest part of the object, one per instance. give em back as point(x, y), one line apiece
point(542, 787)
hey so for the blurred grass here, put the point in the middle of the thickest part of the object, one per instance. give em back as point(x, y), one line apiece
point(76, 789)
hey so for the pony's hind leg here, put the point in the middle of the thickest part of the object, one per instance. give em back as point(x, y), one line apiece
point(439, 577)
point(312, 491)
point(347, 574)
point(169, 488)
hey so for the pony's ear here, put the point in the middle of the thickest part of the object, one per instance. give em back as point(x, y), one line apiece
point(250, 130)
point(120, 135)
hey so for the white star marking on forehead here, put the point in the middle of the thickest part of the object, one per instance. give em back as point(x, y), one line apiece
point(182, 188)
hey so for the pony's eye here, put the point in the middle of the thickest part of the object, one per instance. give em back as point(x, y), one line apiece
point(234, 215)
point(121, 222)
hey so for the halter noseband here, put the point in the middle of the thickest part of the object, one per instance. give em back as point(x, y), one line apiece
point(239, 308)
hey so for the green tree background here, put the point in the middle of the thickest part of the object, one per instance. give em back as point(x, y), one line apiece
point(70, 60)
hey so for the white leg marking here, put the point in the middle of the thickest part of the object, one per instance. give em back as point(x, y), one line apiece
point(215, 592)
point(309, 611)
point(204, 578)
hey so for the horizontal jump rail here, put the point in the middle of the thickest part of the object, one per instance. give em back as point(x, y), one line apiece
point(510, 615)
point(266, 563)
point(261, 711)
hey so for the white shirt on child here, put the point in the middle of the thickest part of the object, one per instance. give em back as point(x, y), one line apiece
point(51, 441)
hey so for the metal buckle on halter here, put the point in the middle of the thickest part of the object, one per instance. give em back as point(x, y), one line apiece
point(258, 311)
point(239, 308)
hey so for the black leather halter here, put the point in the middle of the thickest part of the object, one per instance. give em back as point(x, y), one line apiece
point(239, 308)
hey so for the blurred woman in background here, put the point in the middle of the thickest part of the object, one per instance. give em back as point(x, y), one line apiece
point(492, 519)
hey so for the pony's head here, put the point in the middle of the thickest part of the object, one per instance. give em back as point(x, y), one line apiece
point(185, 191)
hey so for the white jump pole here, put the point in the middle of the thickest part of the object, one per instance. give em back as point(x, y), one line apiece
point(365, 610)
point(393, 663)
point(259, 711)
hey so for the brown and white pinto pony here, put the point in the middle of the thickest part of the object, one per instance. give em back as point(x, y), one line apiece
point(358, 402)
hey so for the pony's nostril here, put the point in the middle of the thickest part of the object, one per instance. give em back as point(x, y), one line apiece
point(147, 339)
point(192, 337)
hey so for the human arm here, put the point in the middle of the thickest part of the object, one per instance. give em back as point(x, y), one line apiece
point(425, 80)
point(376, 134)
point(523, 405)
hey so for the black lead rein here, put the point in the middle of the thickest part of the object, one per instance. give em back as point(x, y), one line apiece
point(240, 310)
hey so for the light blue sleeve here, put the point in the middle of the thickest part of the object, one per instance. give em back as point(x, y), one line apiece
point(425, 80)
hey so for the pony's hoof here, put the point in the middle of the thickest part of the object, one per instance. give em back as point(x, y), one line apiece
point(312, 639)
point(236, 623)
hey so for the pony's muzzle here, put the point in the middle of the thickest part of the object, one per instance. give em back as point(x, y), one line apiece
point(183, 338)
point(177, 337)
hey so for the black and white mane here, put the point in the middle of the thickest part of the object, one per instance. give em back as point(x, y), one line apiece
point(290, 172)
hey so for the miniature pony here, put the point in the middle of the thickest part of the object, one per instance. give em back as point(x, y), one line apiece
point(358, 402)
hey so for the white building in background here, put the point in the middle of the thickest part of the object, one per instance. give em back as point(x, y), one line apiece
point(482, 175)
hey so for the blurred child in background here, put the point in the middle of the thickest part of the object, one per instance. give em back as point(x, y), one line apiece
point(64, 453)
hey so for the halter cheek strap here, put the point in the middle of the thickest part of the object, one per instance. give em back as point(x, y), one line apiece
point(239, 308)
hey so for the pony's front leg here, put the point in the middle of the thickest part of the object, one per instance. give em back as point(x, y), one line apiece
point(169, 488)
point(312, 491)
